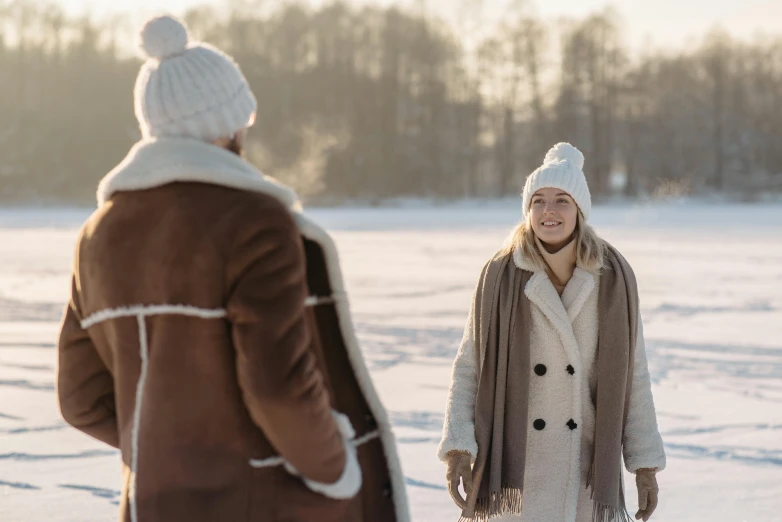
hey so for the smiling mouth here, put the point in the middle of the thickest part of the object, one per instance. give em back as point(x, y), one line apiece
point(551, 224)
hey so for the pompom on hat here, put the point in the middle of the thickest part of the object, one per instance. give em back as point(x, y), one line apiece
point(163, 37)
point(188, 89)
point(562, 169)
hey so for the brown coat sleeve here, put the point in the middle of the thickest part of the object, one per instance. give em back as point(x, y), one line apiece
point(85, 387)
point(283, 390)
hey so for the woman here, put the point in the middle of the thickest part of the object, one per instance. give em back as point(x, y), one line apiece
point(550, 385)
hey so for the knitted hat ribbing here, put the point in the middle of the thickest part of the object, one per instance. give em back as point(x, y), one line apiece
point(188, 89)
point(562, 169)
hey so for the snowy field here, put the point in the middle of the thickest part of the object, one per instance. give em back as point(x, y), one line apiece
point(711, 289)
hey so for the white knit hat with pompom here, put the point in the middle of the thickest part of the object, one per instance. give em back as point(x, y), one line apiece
point(188, 89)
point(562, 169)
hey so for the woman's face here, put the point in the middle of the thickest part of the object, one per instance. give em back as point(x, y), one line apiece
point(553, 215)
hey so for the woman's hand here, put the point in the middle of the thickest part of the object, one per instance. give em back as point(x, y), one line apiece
point(459, 468)
point(646, 481)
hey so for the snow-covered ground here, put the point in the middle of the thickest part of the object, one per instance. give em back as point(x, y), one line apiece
point(711, 288)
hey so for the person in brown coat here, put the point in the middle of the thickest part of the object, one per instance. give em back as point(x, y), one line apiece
point(208, 336)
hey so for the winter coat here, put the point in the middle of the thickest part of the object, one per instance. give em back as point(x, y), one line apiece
point(209, 339)
point(563, 384)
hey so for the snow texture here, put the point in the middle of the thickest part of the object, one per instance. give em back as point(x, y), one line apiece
point(710, 278)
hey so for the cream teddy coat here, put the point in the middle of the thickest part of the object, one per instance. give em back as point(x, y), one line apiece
point(562, 391)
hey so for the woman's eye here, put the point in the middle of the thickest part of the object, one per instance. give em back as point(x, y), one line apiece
point(562, 200)
point(537, 201)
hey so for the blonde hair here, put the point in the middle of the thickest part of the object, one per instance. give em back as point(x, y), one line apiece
point(590, 249)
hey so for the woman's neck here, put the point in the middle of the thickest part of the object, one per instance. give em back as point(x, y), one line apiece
point(553, 249)
point(561, 261)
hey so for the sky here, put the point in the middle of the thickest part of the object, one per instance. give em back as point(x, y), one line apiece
point(661, 23)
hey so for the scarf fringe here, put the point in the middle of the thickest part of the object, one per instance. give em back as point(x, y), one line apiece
point(603, 512)
point(507, 501)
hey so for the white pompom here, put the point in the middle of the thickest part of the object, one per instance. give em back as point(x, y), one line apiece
point(565, 151)
point(163, 37)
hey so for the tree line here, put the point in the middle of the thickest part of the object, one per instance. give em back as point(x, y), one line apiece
point(377, 102)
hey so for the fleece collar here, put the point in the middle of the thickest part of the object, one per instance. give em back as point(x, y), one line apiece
point(561, 310)
point(156, 162)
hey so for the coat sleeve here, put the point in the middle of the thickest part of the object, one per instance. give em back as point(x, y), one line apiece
point(282, 388)
point(85, 386)
point(459, 425)
point(643, 445)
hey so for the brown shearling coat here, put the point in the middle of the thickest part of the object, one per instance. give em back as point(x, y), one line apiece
point(205, 332)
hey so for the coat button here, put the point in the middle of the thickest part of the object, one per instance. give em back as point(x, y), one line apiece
point(570, 369)
point(572, 424)
point(539, 424)
point(540, 369)
point(387, 490)
point(371, 422)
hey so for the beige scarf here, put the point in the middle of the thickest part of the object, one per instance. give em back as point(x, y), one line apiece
point(501, 332)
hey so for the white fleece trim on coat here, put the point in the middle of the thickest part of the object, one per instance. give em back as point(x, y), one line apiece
point(349, 482)
point(141, 312)
point(148, 310)
point(272, 462)
point(577, 292)
point(522, 262)
point(315, 233)
point(142, 380)
point(157, 162)
point(315, 300)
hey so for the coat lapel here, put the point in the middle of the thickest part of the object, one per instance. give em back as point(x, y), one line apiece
point(542, 294)
point(577, 292)
point(560, 311)
point(540, 291)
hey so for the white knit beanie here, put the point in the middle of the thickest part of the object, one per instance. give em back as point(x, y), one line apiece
point(188, 89)
point(561, 169)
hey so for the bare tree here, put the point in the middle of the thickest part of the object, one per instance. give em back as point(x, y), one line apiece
point(372, 102)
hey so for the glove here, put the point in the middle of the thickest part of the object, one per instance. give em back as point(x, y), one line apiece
point(646, 481)
point(459, 467)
